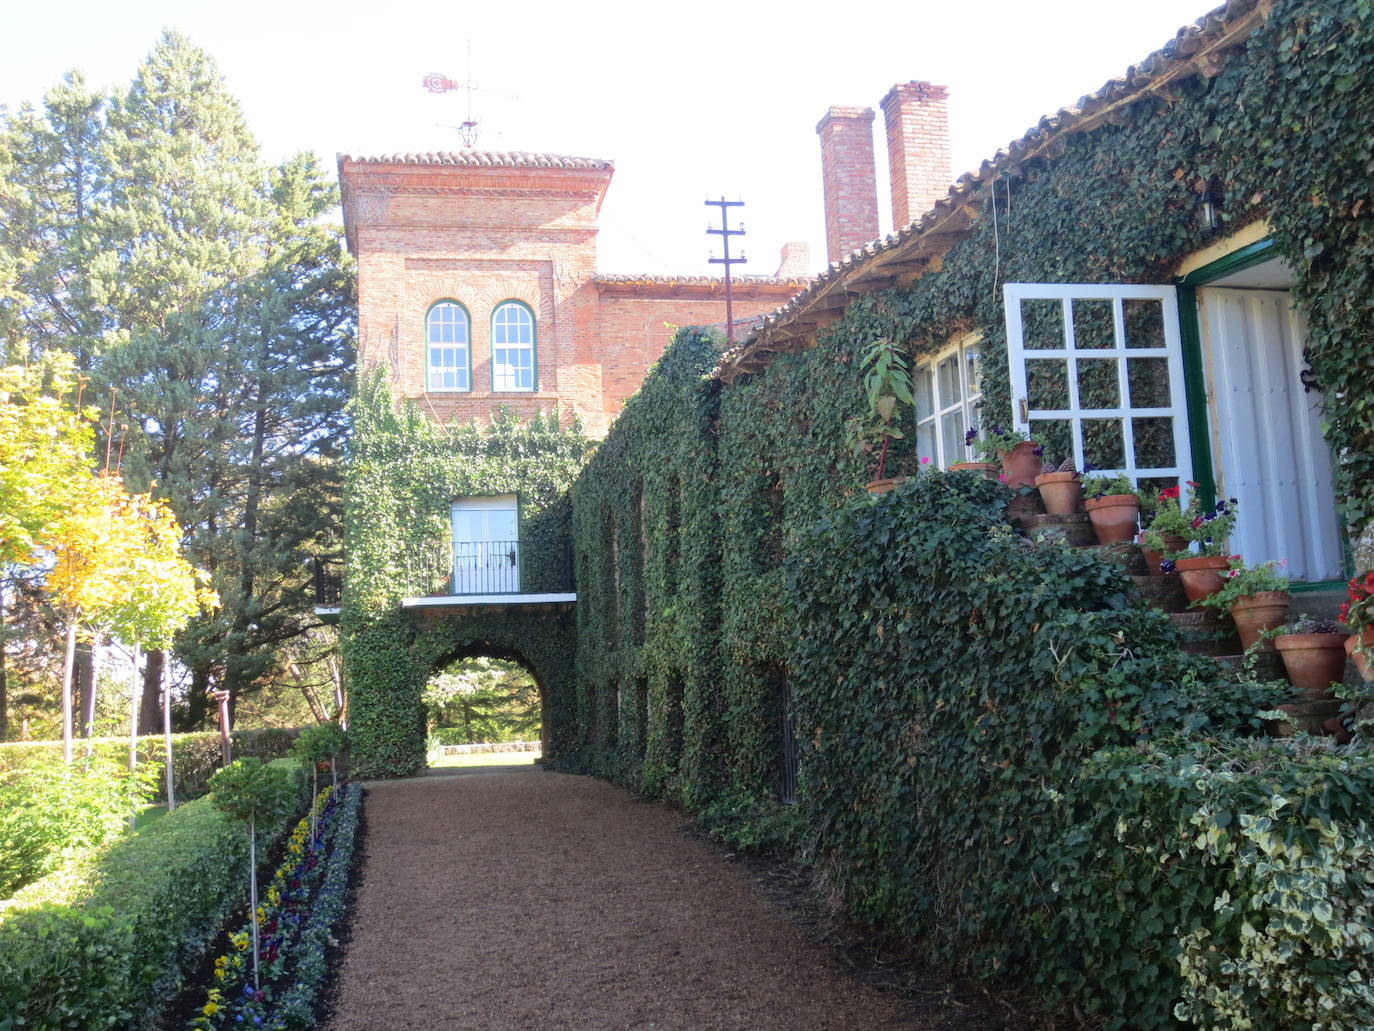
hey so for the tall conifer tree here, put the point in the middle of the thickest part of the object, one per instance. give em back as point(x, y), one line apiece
point(210, 304)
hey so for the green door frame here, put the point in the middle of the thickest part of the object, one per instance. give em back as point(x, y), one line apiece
point(1194, 385)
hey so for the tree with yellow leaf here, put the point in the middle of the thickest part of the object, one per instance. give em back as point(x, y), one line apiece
point(119, 568)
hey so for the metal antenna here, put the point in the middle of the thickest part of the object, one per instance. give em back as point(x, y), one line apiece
point(437, 83)
point(725, 232)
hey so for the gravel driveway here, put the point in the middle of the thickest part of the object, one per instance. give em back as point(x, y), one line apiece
point(523, 899)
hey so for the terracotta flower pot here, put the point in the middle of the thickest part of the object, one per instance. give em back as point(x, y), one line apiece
point(1313, 661)
point(884, 485)
point(989, 469)
point(1172, 544)
point(1364, 663)
point(1258, 612)
point(1061, 492)
point(1201, 575)
point(1114, 517)
point(1021, 465)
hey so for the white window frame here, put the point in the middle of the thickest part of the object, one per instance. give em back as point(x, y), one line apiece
point(967, 350)
point(1066, 293)
point(459, 364)
point(513, 357)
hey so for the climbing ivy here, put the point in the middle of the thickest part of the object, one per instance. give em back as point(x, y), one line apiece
point(404, 472)
point(952, 684)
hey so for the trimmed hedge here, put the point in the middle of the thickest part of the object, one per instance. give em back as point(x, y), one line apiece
point(107, 942)
point(195, 757)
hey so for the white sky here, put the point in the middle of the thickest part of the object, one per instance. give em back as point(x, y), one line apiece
point(708, 98)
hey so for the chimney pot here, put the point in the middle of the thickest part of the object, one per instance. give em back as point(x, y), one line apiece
point(849, 178)
point(917, 148)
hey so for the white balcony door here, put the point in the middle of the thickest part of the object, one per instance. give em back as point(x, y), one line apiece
point(1270, 454)
point(1097, 373)
point(486, 555)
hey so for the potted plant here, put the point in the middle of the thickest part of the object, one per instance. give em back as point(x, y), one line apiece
point(1256, 597)
point(887, 385)
point(1208, 527)
point(1112, 505)
point(1018, 454)
point(990, 470)
point(1313, 653)
point(1060, 489)
point(1357, 612)
point(1164, 536)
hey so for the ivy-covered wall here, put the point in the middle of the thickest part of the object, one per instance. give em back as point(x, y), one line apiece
point(1002, 756)
point(404, 472)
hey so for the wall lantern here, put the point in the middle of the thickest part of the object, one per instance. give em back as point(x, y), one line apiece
point(1209, 205)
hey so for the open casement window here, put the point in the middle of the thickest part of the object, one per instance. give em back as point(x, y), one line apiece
point(947, 395)
point(1097, 374)
point(486, 546)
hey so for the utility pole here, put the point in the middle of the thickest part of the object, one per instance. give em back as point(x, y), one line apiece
point(725, 232)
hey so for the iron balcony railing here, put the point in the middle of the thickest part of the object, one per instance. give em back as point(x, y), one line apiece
point(327, 577)
point(459, 568)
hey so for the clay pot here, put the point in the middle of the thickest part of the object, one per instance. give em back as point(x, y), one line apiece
point(1363, 663)
point(1114, 517)
point(1021, 465)
point(1172, 544)
point(989, 469)
point(884, 485)
point(1313, 661)
point(1201, 575)
point(1258, 612)
point(1061, 492)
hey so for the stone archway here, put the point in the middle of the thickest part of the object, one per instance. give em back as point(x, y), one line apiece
point(543, 642)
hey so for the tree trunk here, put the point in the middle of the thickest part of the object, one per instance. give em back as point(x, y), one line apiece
point(68, 663)
point(150, 708)
point(4, 684)
point(85, 686)
point(197, 701)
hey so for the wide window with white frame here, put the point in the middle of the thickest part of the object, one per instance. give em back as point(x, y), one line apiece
point(512, 347)
point(947, 394)
point(448, 347)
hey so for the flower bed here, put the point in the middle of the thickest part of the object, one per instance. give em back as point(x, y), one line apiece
point(297, 915)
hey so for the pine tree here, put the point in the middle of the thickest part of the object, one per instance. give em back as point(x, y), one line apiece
point(211, 306)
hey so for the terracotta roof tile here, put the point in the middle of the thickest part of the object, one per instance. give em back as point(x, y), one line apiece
point(481, 158)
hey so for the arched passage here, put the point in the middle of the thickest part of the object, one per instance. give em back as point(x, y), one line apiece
point(543, 642)
point(486, 699)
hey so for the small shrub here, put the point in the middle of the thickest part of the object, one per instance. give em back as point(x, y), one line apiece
point(51, 811)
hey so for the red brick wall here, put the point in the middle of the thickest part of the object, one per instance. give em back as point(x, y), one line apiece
point(917, 148)
point(849, 179)
point(481, 236)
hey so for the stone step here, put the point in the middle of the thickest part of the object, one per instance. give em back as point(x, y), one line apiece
point(1204, 634)
point(1163, 592)
point(1076, 530)
point(1126, 555)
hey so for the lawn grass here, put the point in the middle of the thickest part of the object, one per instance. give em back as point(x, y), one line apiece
point(485, 759)
point(148, 814)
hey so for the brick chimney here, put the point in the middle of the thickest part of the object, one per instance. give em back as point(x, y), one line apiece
point(917, 148)
point(850, 179)
point(796, 261)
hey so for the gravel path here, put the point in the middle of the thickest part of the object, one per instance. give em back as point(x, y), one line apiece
point(544, 901)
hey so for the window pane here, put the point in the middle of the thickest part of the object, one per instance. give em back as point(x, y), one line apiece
point(1047, 383)
point(925, 445)
point(1148, 380)
point(973, 371)
point(1154, 442)
point(925, 392)
point(952, 434)
point(447, 325)
point(1144, 321)
point(1056, 435)
point(1098, 386)
point(1104, 445)
point(512, 338)
point(1093, 324)
point(1042, 323)
point(950, 392)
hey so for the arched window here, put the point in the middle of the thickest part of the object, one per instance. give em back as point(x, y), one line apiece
point(449, 359)
point(512, 347)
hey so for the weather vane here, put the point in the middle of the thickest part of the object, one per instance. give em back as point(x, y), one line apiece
point(438, 83)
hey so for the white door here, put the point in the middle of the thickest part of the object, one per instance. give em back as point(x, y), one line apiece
point(1097, 373)
point(486, 546)
point(1267, 439)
